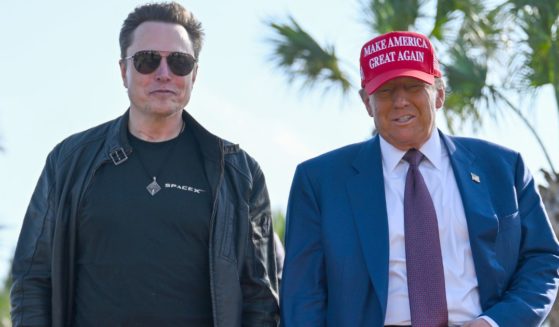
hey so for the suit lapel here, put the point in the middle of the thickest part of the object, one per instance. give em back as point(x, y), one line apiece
point(482, 222)
point(366, 193)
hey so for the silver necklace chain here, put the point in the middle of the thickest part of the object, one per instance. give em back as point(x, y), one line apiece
point(153, 187)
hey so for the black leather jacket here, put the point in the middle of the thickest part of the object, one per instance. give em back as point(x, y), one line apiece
point(241, 252)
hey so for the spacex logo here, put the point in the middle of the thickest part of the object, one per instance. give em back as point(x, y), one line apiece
point(184, 188)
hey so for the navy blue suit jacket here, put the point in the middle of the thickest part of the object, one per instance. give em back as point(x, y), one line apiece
point(336, 266)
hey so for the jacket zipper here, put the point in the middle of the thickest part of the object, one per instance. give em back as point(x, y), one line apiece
point(212, 221)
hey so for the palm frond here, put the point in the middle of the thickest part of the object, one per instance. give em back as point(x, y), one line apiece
point(445, 11)
point(470, 22)
point(538, 23)
point(300, 57)
point(540, 26)
point(383, 16)
point(466, 88)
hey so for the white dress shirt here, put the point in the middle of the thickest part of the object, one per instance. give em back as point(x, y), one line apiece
point(461, 284)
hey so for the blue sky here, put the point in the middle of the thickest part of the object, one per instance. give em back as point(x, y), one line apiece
point(60, 76)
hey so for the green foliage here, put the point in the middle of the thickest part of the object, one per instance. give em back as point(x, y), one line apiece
point(466, 82)
point(539, 23)
point(5, 304)
point(470, 40)
point(298, 54)
point(476, 23)
point(278, 219)
point(391, 15)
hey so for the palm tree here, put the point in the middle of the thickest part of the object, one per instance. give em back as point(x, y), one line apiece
point(301, 57)
point(539, 22)
point(468, 34)
point(516, 42)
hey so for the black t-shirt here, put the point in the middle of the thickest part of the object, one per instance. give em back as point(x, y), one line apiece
point(143, 259)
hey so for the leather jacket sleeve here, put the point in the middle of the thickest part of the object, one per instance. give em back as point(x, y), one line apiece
point(31, 291)
point(259, 276)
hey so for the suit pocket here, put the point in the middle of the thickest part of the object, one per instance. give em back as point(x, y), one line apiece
point(508, 244)
point(509, 221)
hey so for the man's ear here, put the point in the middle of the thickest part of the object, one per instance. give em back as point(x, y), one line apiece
point(366, 101)
point(122, 64)
point(440, 97)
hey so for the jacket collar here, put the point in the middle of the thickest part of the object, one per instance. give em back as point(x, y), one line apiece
point(473, 183)
point(118, 148)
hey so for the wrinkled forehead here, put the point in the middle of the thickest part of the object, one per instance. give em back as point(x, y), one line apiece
point(160, 36)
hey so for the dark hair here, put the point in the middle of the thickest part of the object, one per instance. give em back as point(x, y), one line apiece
point(167, 12)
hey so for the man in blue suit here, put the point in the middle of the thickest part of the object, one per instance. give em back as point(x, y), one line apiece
point(475, 248)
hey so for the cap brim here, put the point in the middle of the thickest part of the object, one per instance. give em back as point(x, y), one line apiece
point(372, 85)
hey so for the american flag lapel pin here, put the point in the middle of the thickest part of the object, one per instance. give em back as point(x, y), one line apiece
point(475, 178)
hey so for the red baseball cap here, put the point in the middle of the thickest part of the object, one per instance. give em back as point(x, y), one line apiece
point(397, 54)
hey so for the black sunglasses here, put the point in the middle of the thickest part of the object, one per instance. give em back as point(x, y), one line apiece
point(147, 61)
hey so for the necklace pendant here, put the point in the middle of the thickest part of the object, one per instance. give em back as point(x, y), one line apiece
point(153, 187)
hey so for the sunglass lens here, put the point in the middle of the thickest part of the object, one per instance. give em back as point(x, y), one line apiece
point(180, 63)
point(146, 62)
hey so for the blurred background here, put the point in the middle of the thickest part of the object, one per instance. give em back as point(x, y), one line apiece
point(281, 79)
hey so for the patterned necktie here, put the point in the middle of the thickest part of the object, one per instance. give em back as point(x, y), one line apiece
point(424, 262)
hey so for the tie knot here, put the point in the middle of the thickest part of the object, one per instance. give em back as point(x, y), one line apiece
point(413, 157)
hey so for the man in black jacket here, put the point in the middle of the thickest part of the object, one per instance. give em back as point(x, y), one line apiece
point(149, 219)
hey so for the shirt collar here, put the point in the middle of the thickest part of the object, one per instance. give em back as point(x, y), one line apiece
point(432, 150)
